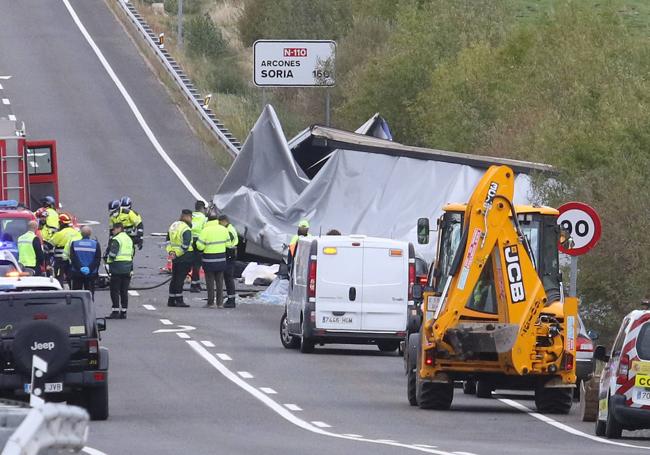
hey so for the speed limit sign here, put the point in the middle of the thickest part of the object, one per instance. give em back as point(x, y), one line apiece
point(582, 224)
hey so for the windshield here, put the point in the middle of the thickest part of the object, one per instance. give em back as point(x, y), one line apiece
point(12, 228)
point(449, 241)
point(542, 235)
point(16, 313)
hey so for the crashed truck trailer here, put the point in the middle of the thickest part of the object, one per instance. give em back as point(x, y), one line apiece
point(353, 182)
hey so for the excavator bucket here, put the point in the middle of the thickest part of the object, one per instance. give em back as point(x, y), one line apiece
point(482, 338)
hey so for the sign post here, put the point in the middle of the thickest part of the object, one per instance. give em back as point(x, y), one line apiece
point(582, 224)
point(292, 63)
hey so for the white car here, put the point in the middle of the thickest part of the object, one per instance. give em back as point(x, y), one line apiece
point(13, 278)
point(349, 289)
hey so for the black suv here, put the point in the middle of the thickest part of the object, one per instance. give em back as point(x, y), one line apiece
point(61, 328)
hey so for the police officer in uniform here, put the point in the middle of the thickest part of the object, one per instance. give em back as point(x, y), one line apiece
point(198, 222)
point(120, 265)
point(30, 251)
point(85, 258)
point(213, 242)
point(181, 251)
point(231, 257)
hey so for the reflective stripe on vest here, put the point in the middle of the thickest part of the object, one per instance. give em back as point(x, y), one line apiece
point(26, 253)
point(125, 253)
point(233, 233)
point(214, 239)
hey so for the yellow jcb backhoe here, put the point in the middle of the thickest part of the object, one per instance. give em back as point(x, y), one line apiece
point(494, 314)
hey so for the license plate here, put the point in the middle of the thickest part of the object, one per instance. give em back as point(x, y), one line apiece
point(50, 387)
point(642, 380)
point(338, 320)
point(642, 396)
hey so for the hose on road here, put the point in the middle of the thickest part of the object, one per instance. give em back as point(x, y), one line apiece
point(148, 288)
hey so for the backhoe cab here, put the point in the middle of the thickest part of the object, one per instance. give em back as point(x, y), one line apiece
point(494, 312)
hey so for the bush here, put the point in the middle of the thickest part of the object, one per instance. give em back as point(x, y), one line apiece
point(204, 38)
point(189, 6)
point(225, 76)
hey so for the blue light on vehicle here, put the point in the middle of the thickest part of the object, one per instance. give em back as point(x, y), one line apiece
point(8, 204)
point(7, 287)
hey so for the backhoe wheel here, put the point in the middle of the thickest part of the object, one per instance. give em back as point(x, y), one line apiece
point(483, 389)
point(613, 428)
point(411, 356)
point(469, 387)
point(554, 400)
point(434, 395)
point(411, 387)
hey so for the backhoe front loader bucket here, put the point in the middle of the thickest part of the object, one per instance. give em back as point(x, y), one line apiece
point(476, 338)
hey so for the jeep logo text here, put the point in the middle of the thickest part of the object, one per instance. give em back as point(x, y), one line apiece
point(42, 346)
point(515, 277)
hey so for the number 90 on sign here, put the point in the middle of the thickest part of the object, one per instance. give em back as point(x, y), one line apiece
point(582, 224)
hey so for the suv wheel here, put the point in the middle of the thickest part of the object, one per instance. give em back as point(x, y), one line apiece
point(288, 341)
point(97, 402)
point(613, 428)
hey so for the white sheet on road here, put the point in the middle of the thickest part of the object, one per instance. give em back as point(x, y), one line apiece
point(266, 193)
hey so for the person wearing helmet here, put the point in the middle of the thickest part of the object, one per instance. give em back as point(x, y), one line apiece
point(48, 217)
point(199, 219)
point(303, 231)
point(130, 220)
point(59, 241)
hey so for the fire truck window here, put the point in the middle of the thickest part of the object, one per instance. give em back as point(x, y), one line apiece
point(39, 160)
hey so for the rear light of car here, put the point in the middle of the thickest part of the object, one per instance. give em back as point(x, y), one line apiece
point(422, 279)
point(411, 277)
point(93, 346)
point(623, 369)
point(585, 344)
point(311, 287)
point(100, 376)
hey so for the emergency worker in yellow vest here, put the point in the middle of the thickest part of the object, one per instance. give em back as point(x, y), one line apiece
point(48, 218)
point(182, 253)
point(121, 211)
point(30, 251)
point(198, 222)
point(213, 242)
point(59, 242)
point(231, 257)
point(119, 258)
point(303, 231)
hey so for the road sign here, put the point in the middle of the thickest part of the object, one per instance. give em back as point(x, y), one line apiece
point(583, 225)
point(292, 63)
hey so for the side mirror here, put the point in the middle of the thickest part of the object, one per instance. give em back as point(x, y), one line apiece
point(417, 292)
point(101, 324)
point(593, 335)
point(601, 354)
point(423, 231)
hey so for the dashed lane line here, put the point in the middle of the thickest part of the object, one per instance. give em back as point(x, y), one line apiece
point(566, 428)
point(1, 87)
point(245, 374)
point(183, 335)
point(292, 407)
point(166, 322)
point(207, 344)
point(91, 451)
point(149, 307)
point(268, 390)
point(12, 117)
point(134, 108)
point(6, 101)
point(223, 356)
point(134, 293)
point(285, 413)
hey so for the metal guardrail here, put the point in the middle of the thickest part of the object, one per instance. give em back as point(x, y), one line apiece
point(232, 144)
point(51, 426)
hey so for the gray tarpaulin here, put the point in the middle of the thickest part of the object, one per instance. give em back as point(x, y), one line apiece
point(376, 193)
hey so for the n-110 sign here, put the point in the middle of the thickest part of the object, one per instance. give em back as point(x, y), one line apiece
point(294, 63)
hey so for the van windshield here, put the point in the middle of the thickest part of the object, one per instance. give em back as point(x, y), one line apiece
point(15, 314)
point(643, 342)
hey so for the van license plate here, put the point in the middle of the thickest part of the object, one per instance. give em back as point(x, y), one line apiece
point(50, 387)
point(642, 397)
point(338, 320)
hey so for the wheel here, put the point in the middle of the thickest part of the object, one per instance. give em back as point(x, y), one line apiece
point(411, 380)
point(288, 341)
point(469, 387)
point(483, 389)
point(588, 401)
point(388, 346)
point(434, 395)
point(613, 429)
point(97, 402)
point(600, 428)
point(554, 400)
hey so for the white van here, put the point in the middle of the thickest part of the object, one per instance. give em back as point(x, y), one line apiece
point(348, 289)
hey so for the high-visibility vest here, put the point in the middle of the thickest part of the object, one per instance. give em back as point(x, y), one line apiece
point(52, 219)
point(62, 239)
point(294, 243)
point(176, 231)
point(213, 241)
point(198, 223)
point(129, 218)
point(26, 252)
point(85, 250)
point(126, 251)
point(234, 236)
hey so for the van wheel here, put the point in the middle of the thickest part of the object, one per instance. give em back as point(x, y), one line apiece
point(483, 389)
point(600, 428)
point(469, 387)
point(554, 400)
point(288, 341)
point(434, 395)
point(388, 346)
point(613, 428)
point(97, 402)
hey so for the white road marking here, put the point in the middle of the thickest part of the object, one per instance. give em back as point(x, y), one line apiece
point(12, 117)
point(245, 374)
point(352, 435)
point(292, 407)
point(426, 446)
point(182, 328)
point(268, 390)
point(166, 322)
point(224, 356)
point(134, 293)
point(91, 451)
point(464, 453)
point(285, 413)
point(131, 103)
point(207, 344)
point(5, 101)
point(183, 335)
point(149, 307)
point(566, 428)
point(1, 87)
point(320, 424)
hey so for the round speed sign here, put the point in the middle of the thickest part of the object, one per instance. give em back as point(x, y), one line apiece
point(582, 224)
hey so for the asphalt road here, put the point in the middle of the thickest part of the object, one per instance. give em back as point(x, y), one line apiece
point(225, 384)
